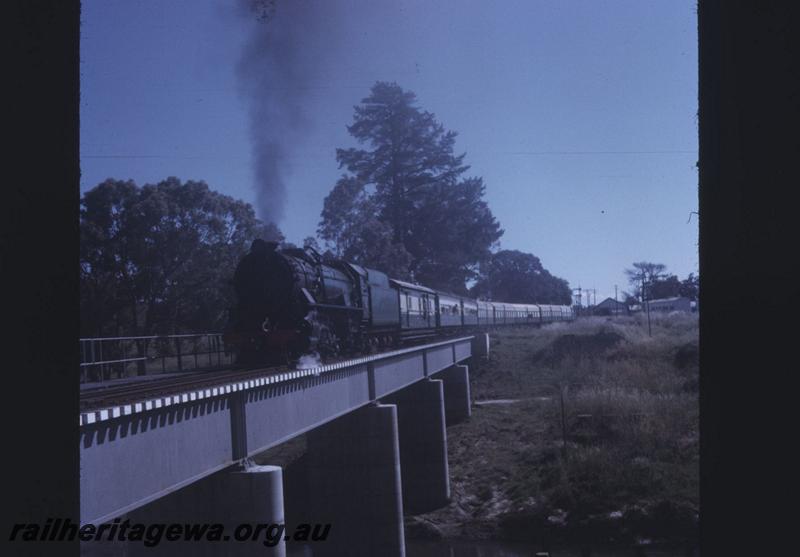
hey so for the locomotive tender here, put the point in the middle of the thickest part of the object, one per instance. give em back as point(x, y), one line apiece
point(291, 302)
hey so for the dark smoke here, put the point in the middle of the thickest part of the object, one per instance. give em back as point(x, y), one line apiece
point(285, 59)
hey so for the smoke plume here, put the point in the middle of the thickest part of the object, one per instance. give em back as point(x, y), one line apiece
point(289, 47)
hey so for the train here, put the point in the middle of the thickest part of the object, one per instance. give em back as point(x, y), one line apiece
point(292, 301)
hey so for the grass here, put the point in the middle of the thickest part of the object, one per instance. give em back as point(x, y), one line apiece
point(626, 464)
point(629, 467)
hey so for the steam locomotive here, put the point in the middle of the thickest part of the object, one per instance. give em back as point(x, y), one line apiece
point(290, 302)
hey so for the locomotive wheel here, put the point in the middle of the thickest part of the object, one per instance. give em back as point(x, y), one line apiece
point(326, 344)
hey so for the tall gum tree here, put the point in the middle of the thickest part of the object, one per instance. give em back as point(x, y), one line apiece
point(404, 204)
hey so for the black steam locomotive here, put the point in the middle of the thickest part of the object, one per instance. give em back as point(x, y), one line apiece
point(290, 302)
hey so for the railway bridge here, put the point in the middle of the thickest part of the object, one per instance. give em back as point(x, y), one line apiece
point(376, 444)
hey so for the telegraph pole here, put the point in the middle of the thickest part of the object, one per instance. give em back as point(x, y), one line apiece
point(578, 290)
point(589, 292)
point(647, 303)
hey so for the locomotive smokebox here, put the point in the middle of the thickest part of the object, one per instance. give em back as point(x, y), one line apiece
point(267, 318)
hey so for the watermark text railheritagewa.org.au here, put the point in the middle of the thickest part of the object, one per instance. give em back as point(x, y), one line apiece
point(153, 534)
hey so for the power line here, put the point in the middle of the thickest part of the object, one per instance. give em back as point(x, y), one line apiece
point(601, 152)
point(143, 157)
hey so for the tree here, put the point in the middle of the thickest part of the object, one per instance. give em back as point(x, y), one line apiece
point(644, 273)
point(354, 232)
point(630, 299)
point(158, 259)
point(665, 287)
point(518, 277)
point(403, 205)
point(690, 287)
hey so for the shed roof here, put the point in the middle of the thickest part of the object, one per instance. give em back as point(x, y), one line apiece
point(610, 302)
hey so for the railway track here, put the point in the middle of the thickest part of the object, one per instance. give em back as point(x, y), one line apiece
point(100, 397)
point(103, 397)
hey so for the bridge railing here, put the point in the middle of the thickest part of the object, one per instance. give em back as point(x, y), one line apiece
point(116, 357)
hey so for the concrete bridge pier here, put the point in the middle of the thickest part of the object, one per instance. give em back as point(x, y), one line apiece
point(480, 346)
point(354, 483)
point(240, 499)
point(457, 401)
point(423, 446)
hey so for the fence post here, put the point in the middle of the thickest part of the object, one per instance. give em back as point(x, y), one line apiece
point(141, 365)
point(178, 349)
point(123, 370)
point(563, 422)
point(102, 366)
point(84, 370)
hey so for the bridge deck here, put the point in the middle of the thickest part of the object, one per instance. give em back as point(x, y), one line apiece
point(136, 452)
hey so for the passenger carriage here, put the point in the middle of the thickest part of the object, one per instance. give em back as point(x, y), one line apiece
point(469, 310)
point(417, 305)
point(449, 310)
point(485, 313)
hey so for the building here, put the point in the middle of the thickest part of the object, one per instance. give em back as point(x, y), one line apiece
point(667, 305)
point(610, 306)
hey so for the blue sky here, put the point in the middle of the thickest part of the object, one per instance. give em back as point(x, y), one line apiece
point(579, 116)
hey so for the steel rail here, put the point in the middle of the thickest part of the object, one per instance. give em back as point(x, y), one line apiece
point(138, 397)
point(101, 397)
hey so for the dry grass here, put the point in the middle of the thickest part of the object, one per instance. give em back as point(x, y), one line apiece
point(631, 412)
